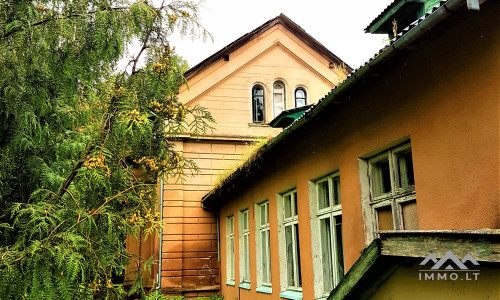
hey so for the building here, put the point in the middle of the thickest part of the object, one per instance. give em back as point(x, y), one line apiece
point(277, 66)
point(398, 161)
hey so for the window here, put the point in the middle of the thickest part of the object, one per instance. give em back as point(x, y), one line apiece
point(329, 220)
point(278, 98)
point(244, 247)
point(230, 250)
point(392, 190)
point(300, 97)
point(263, 247)
point(290, 237)
point(258, 103)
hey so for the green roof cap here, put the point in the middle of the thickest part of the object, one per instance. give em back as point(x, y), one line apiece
point(288, 116)
point(404, 12)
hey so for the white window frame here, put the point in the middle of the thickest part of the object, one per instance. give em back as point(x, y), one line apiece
point(303, 89)
point(397, 196)
point(230, 250)
point(283, 108)
point(285, 222)
point(244, 245)
point(330, 212)
point(253, 108)
point(263, 249)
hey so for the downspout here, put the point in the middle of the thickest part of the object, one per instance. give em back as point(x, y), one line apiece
point(216, 212)
point(160, 245)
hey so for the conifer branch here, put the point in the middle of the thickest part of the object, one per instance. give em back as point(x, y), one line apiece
point(74, 172)
point(43, 21)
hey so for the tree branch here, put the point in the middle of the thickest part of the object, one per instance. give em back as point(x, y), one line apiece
point(43, 21)
point(74, 172)
point(144, 47)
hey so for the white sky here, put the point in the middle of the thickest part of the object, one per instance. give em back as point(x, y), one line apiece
point(337, 24)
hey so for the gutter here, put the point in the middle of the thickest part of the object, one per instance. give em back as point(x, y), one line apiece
point(160, 245)
point(406, 37)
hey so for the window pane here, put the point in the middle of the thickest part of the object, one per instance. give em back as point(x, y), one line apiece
point(263, 214)
point(258, 104)
point(264, 255)
point(339, 266)
point(384, 215)
point(323, 195)
point(300, 97)
point(289, 256)
point(230, 226)
point(410, 219)
point(336, 190)
point(267, 212)
point(297, 251)
point(381, 177)
point(231, 259)
point(246, 258)
point(278, 98)
point(326, 254)
point(278, 87)
point(245, 220)
point(288, 205)
point(268, 257)
point(294, 206)
point(405, 169)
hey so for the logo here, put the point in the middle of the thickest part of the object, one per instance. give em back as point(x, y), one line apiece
point(449, 267)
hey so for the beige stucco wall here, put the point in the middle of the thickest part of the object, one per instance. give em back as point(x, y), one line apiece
point(444, 98)
point(189, 259)
point(225, 88)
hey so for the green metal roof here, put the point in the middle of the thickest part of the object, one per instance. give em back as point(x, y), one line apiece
point(221, 194)
point(288, 116)
point(404, 12)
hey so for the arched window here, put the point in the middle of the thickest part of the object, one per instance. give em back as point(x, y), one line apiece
point(258, 103)
point(300, 97)
point(278, 98)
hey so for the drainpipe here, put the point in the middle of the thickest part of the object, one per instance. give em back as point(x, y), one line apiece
point(160, 245)
point(216, 212)
point(218, 237)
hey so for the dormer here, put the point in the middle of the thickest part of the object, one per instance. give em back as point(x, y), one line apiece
point(398, 15)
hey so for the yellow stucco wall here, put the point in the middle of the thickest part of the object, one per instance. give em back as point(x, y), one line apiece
point(225, 88)
point(443, 97)
point(189, 259)
point(406, 284)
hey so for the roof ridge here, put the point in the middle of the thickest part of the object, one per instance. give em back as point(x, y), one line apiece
point(288, 23)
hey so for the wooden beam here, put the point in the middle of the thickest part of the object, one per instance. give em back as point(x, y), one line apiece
point(482, 245)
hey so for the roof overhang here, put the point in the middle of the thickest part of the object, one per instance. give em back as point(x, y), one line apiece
point(241, 178)
point(402, 11)
point(225, 52)
point(379, 260)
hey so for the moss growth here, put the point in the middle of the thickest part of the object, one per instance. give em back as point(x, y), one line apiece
point(247, 157)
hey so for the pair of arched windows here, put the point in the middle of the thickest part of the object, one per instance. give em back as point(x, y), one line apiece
point(278, 105)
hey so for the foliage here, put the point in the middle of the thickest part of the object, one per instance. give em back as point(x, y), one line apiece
point(159, 296)
point(212, 297)
point(248, 156)
point(80, 144)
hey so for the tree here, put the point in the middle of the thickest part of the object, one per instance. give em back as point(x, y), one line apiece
point(81, 144)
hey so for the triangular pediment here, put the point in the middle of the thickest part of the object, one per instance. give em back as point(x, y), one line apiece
point(292, 27)
point(275, 56)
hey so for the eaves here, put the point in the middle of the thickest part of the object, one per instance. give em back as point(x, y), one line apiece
point(221, 194)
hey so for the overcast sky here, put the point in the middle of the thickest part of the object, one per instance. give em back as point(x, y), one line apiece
point(337, 24)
